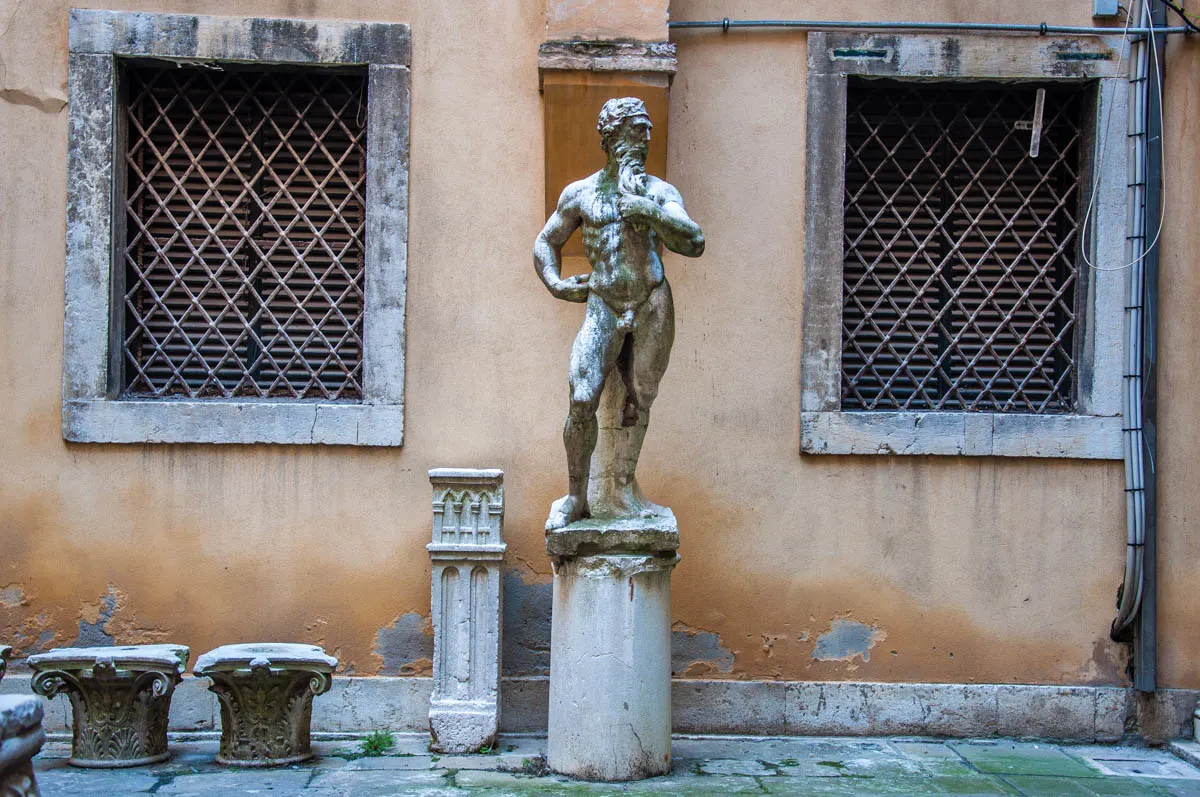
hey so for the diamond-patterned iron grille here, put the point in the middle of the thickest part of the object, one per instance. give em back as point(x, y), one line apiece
point(243, 254)
point(959, 271)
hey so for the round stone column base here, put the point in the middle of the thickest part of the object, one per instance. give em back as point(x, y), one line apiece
point(108, 763)
point(266, 692)
point(266, 715)
point(610, 666)
point(120, 700)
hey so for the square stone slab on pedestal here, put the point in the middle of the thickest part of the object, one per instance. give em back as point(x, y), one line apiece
point(122, 656)
point(655, 534)
point(280, 655)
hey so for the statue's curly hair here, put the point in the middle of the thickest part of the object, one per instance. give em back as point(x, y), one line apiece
point(615, 111)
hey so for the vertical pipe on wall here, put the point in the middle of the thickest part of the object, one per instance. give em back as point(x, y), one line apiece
point(1130, 596)
point(1146, 642)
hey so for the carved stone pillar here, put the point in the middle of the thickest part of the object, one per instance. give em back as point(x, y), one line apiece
point(467, 551)
point(120, 699)
point(21, 737)
point(610, 637)
point(266, 692)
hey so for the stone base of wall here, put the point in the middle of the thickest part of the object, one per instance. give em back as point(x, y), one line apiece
point(756, 708)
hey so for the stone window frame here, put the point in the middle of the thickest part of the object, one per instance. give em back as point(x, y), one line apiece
point(1094, 432)
point(93, 411)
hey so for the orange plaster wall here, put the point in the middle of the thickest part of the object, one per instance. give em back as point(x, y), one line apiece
point(961, 569)
point(642, 20)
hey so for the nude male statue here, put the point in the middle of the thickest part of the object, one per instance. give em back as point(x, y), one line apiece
point(627, 216)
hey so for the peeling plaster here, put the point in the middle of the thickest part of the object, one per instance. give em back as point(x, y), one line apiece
point(35, 635)
point(846, 640)
point(12, 596)
point(696, 652)
point(109, 621)
point(93, 618)
point(405, 646)
point(314, 634)
point(526, 637)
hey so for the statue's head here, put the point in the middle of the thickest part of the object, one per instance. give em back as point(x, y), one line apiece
point(624, 127)
point(624, 119)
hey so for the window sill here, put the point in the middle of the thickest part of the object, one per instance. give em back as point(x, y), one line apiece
point(961, 433)
point(182, 421)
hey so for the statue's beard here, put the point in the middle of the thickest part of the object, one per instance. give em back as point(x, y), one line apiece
point(631, 167)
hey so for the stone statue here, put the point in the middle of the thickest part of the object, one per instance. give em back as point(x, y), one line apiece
point(627, 217)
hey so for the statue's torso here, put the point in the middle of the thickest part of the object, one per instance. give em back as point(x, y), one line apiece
point(626, 266)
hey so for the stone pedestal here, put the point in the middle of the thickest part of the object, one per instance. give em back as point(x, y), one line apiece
point(610, 647)
point(120, 699)
point(266, 692)
point(21, 737)
point(467, 551)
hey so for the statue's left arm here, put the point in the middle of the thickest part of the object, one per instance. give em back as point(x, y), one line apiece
point(666, 217)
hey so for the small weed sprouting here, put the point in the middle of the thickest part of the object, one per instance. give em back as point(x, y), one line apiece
point(789, 762)
point(842, 770)
point(535, 767)
point(377, 743)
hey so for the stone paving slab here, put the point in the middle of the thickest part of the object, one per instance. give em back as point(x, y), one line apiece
point(935, 758)
point(701, 766)
point(1023, 758)
point(233, 782)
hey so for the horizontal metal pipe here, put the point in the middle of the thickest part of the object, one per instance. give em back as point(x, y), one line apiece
point(1041, 29)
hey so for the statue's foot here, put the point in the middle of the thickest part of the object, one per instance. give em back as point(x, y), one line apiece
point(566, 511)
point(627, 501)
point(652, 510)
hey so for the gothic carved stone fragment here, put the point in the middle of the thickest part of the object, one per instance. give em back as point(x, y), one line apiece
point(466, 552)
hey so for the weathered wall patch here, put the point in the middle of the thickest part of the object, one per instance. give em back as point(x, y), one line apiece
point(846, 640)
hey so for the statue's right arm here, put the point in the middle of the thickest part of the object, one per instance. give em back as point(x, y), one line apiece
point(547, 249)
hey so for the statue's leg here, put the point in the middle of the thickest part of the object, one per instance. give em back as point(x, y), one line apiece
point(592, 358)
point(653, 335)
point(642, 368)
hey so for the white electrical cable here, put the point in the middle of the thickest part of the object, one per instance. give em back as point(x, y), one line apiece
point(1104, 142)
point(1132, 384)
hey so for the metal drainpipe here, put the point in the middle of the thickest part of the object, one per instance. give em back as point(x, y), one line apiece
point(1041, 29)
point(1145, 649)
point(1129, 598)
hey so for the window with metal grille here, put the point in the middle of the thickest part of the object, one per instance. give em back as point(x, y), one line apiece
point(961, 285)
point(243, 251)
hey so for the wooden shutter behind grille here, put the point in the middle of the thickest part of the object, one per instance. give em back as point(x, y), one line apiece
point(244, 227)
point(959, 272)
